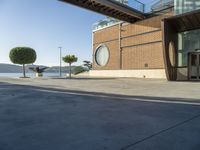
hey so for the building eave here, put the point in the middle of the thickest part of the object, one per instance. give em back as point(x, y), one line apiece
point(110, 8)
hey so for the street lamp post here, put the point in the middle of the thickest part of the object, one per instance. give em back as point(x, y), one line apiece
point(60, 70)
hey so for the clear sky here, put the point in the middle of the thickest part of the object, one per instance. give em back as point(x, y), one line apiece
point(45, 25)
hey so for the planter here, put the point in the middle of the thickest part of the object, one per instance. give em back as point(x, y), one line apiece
point(39, 75)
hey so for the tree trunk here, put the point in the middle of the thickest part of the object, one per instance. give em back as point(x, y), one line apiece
point(24, 71)
point(70, 71)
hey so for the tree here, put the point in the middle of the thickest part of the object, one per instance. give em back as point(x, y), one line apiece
point(79, 69)
point(87, 64)
point(22, 56)
point(70, 59)
point(38, 70)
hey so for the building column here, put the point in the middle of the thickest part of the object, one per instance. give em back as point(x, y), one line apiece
point(120, 47)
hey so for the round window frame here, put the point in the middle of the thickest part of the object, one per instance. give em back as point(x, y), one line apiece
point(102, 45)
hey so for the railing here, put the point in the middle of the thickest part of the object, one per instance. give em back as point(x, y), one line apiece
point(154, 6)
point(158, 5)
point(105, 23)
point(136, 5)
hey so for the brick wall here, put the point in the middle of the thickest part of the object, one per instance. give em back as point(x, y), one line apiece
point(141, 45)
point(113, 62)
point(143, 57)
point(107, 34)
point(110, 37)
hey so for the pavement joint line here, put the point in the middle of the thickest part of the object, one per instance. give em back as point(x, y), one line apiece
point(123, 98)
point(160, 132)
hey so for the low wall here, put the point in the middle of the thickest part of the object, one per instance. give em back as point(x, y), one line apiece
point(146, 73)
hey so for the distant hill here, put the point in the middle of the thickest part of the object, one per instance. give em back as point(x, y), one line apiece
point(55, 69)
point(9, 68)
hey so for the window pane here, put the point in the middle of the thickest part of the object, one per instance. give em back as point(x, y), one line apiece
point(102, 55)
point(183, 6)
point(187, 42)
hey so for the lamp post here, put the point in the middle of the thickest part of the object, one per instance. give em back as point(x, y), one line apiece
point(60, 70)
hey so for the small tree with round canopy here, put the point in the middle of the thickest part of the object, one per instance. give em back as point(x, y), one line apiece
point(70, 59)
point(22, 56)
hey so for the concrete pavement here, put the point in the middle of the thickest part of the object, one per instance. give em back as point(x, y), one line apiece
point(47, 118)
point(121, 86)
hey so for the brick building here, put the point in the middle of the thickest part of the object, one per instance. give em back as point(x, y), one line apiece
point(160, 40)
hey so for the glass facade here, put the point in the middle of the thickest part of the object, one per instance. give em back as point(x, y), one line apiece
point(183, 6)
point(187, 42)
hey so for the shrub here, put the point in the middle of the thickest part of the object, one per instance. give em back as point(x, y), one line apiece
point(22, 56)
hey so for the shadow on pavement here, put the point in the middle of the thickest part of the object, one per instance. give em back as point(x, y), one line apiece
point(97, 94)
point(39, 118)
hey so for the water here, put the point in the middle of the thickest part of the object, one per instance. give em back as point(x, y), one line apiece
point(29, 74)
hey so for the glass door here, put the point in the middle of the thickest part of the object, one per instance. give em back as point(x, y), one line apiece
point(194, 66)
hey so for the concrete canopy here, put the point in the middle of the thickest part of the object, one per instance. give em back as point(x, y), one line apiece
point(110, 8)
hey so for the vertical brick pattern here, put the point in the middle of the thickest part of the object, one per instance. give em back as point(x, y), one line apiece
point(110, 37)
point(141, 44)
point(139, 56)
point(144, 26)
point(140, 27)
point(107, 34)
point(113, 63)
point(142, 39)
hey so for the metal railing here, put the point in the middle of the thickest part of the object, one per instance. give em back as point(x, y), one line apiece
point(154, 6)
point(158, 5)
point(104, 23)
point(137, 5)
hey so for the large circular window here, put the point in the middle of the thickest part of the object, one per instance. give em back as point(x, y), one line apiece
point(102, 55)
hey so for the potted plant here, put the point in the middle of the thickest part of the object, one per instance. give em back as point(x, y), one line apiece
point(39, 71)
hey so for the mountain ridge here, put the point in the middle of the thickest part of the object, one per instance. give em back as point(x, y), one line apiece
point(12, 68)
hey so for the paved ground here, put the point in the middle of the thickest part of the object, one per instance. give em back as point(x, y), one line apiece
point(123, 86)
point(38, 118)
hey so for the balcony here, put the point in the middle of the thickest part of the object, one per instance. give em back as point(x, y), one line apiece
point(157, 6)
point(151, 7)
point(154, 7)
point(112, 8)
point(122, 10)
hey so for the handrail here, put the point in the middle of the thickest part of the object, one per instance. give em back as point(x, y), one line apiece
point(157, 5)
point(146, 8)
point(154, 6)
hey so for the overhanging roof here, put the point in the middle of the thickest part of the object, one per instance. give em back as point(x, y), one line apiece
point(110, 8)
point(185, 22)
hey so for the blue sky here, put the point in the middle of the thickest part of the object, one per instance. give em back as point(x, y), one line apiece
point(44, 25)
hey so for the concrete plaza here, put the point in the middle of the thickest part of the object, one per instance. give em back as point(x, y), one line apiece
point(94, 114)
point(120, 86)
